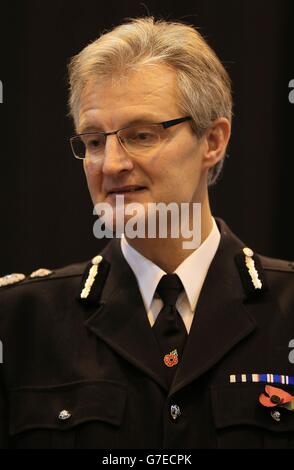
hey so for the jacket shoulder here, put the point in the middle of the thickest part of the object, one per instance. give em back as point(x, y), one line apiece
point(42, 275)
point(274, 264)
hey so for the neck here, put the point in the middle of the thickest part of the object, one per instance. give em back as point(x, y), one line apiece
point(168, 253)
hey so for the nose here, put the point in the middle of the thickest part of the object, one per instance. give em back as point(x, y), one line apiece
point(116, 158)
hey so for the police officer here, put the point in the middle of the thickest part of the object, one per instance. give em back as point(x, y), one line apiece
point(151, 344)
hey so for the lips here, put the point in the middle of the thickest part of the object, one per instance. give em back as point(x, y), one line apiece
point(126, 189)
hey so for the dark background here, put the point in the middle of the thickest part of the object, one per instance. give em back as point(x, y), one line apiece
point(46, 212)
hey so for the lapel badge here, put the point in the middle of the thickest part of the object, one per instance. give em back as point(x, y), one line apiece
point(91, 276)
point(171, 359)
point(276, 398)
point(11, 279)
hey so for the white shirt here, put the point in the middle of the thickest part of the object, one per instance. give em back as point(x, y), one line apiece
point(192, 272)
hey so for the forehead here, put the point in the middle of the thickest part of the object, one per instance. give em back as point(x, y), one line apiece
point(150, 92)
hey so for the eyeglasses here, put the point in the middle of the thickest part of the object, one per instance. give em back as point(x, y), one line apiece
point(135, 140)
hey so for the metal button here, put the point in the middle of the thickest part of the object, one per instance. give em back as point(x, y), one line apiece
point(64, 414)
point(276, 415)
point(175, 411)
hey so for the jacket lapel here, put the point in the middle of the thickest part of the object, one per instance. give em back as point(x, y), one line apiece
point(121, 319)
point(221, 318)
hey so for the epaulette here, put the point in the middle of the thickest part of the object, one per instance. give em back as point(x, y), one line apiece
point(251, 272)
point(15, 278)
point(93, 280)
point(41, 274)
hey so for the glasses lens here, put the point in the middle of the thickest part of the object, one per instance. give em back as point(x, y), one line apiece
point(88, 145)
point(139, 140)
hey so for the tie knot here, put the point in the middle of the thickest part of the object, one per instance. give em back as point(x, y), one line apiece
point(169, 288)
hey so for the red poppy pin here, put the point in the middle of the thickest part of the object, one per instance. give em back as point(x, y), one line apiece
point(171, 359)
point(276, 397)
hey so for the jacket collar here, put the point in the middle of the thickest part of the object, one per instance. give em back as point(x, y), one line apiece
point(222, 318)
point(121, 319)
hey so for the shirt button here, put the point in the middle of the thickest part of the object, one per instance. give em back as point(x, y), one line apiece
point(175, 411)
point(64, 414)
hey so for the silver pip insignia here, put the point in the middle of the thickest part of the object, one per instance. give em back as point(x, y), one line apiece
point(42, 272)
point(11, 279)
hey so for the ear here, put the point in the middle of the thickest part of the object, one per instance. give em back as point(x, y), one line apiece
point(215, 142)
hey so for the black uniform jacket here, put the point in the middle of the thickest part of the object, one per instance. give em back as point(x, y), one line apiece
point(87, 373)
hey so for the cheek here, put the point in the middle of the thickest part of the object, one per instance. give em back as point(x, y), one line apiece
point(93, 176)
point(181, 176)
point(92, 169)
point(177, 167)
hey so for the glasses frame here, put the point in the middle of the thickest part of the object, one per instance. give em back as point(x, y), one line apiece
point(164, 124)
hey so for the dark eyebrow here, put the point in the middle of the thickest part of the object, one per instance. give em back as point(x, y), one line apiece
point(144, 119)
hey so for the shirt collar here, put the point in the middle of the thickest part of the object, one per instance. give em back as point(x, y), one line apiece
point(192, 271)
point(194, 268)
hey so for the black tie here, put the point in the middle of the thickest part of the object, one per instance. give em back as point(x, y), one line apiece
point(169, 328)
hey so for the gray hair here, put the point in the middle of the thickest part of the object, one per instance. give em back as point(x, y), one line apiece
point(204, 86)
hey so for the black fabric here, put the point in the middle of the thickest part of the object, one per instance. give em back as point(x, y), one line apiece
point(169, 328)
point(102, 364)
